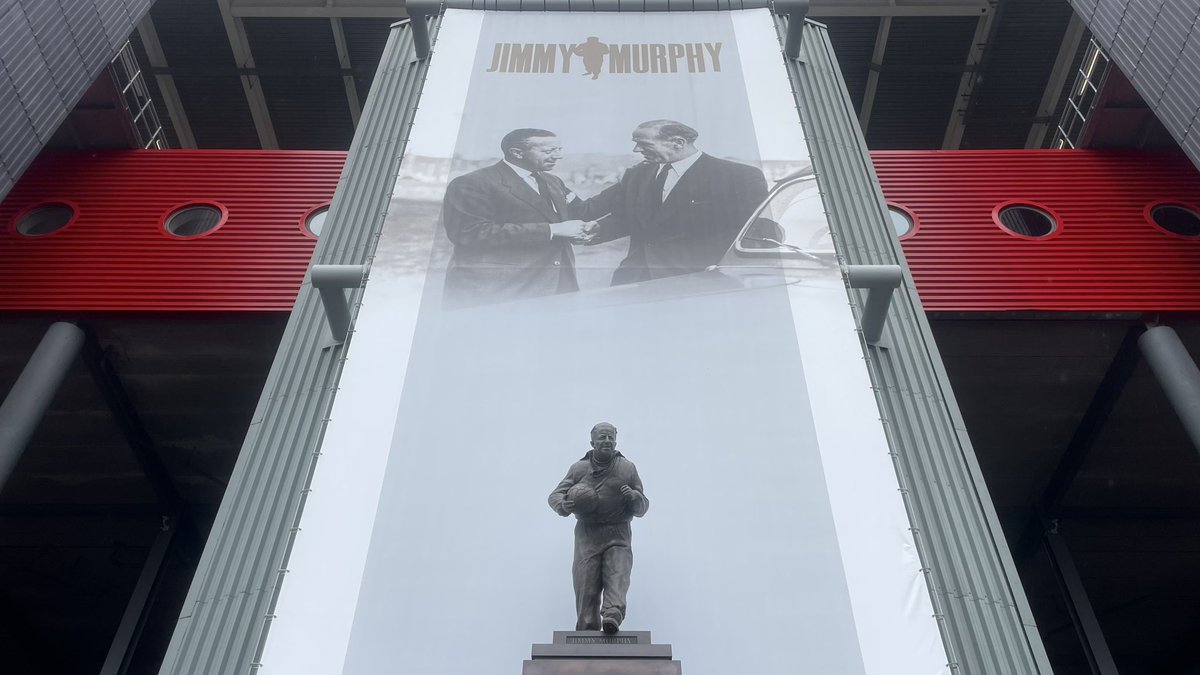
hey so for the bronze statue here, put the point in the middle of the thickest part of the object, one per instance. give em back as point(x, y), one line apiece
point(604, 492)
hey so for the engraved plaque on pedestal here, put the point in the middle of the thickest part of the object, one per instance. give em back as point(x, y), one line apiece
point(592, 652)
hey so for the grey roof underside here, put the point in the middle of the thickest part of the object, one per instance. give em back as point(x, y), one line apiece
point(1156, 45)
point(225, 617)
point(50, 53)
point(981, 609)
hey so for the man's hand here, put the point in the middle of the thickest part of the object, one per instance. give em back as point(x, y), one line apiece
point(578, 231)
point(631, 494)
point(568, 505)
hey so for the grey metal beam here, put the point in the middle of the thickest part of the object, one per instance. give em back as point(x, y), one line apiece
point(966, 84)
point(339, 42)
point(1079, 606)
point(392, 10)
point(309, 9)
point(873, 68)
point(1087, 431)
point(251, 86)
point(225, 619)
point(1057, 82)
point(124, 413)
point(1178, 375)
point(986, 622)
point(34, 390)
point(125, 641)
point(1099, 409)
point(166, 83)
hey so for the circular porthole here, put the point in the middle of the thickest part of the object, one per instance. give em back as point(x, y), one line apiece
point(1178, 219)
point(903, 221)
point(314, 220)
point(44, 219)
point(194, 220)
point(1026, 220)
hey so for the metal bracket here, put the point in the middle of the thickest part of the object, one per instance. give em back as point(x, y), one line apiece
point(796, 11)
point(332, 281)
point(419, 12)
point(880, 281)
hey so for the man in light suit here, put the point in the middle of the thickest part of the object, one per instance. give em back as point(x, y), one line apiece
point(681, 208)
point(511, 225)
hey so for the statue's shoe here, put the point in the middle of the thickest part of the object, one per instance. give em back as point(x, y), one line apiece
point(610, 625)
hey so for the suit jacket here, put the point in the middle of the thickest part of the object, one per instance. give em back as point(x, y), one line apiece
point(500, 229)
point(689, 231)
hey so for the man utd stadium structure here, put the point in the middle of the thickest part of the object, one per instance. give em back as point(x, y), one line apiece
point(235, 419)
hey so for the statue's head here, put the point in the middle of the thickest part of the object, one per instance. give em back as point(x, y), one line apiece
point(604, 441)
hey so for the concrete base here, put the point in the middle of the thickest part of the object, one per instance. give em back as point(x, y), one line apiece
point(597, 653)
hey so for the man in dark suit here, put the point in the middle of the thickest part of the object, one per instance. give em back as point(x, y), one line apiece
point(681, 208)
point(511, 225)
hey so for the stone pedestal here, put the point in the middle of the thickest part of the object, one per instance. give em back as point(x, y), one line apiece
point(592, 652)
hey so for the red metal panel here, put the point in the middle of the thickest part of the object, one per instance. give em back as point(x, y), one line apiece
point(115, 256)
point(1106, 257)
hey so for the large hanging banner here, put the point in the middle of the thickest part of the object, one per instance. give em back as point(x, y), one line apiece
point(605, 217)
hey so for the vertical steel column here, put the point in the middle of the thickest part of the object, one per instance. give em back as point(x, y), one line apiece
point(29, 398)
point(1178, 375)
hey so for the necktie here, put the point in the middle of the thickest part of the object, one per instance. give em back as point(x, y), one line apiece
point(544, 189)
point(660, 182)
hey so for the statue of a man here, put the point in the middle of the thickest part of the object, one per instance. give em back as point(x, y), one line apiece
point(604, 492)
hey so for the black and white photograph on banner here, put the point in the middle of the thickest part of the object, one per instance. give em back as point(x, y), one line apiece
point(514, 225)
point(606, 222)
point(600, 163)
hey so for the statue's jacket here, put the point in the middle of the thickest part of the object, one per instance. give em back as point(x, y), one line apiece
point(612, 506)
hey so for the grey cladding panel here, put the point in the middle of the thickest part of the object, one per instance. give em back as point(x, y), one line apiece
point(1134, 32)
point(84, 23)
point(1176, 108)
point(61, 55)
point(137, 8)
point(116, 22)
point(50, 52)
point(1105, 21)
point(1156, 44)
point(30, 75)
point(1158, 64)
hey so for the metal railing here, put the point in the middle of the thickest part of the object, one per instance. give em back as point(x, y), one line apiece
point(126, 74)
point(1085, 93)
